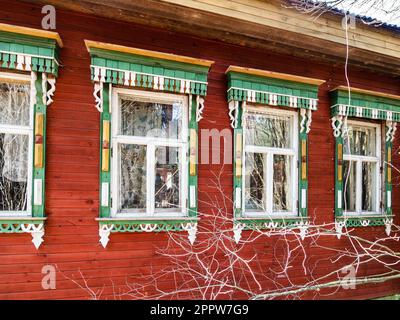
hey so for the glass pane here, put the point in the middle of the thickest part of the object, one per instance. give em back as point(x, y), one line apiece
point(349, 186)
point(268, 130)
point(167, 179)
point(14, 103)
point(281, 185)
point(362, 141)
point(254, 182)
point(13, 172)
point(132, 177)
point(150, 119)
point(368, 186)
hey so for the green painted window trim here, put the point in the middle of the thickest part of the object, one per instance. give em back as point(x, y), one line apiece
point(365, 221)
point(272, 223)
point(105, 177)
point(39, 173)
point(193, 179)
point(117, 66)
point(109, 67)
point(361, 220)
point(16, 225)
point(43, 53)
point(364, 106)
point(244, 87)
point(113, 68)
point(388, 182)
point(338, 176)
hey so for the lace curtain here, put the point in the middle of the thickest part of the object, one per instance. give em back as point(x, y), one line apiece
point(14, 148)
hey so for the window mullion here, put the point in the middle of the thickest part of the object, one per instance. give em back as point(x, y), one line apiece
point(183, 180)
point(150, 183)
point(269, 177)
point(115, 177)
point(358, 168)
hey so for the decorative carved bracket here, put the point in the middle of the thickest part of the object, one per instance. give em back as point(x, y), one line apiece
point(37, 232)
point(306, 119)
point(199, 107)
point(35, 228)
point(98, 95)
point(237, 231)
point(371, 221)
point(233, 112)
point(338, 124)
point(104, 233)
point(392, 127)
point(388, 226)
point(48, 93)
point(33, 89)
point(339, 225)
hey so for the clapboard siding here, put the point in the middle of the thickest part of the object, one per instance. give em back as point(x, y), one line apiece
point(72, 199)
point(273, 14)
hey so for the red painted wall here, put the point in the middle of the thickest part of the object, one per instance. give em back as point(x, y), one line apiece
point(72, 191)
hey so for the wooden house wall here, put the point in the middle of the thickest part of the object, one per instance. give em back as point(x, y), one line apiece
point(72, 179)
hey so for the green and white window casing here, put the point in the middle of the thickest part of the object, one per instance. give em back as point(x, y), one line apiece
point(363, 156)
point(28, 71)
point(271, 116)
point(150, 105)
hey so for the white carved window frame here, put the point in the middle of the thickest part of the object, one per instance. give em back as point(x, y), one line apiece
point(358, 160)
point(151, 143)
point(23, 130)
point(269, 152)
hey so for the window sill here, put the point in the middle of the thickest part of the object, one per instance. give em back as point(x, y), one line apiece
point(34, 226)
point(150, 224)
point(279, 222)
point(375, 220)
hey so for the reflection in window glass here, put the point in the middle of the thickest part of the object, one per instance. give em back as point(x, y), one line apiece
point(167, 179)
point(368, 190)
point(269, 157)
point(132, 177)
point(281, 185)
point(360, 183)
point(150, 119)
point(13, 172)
point(255, 192)
point(152, 175)
point(268, 130)
point(14, 104)
point(361, 141)
point(14, 147)
point(350, 185)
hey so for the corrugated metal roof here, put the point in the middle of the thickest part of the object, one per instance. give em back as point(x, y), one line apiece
point(379, 24)
point(325, 7)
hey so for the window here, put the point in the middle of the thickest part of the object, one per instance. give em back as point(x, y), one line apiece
point(361, 167)
point(363, 157)
point(149, 142)
point(270, 162)
point(148, 153)
point(16, 134)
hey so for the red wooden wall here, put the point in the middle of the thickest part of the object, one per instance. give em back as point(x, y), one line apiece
point(72, 197)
